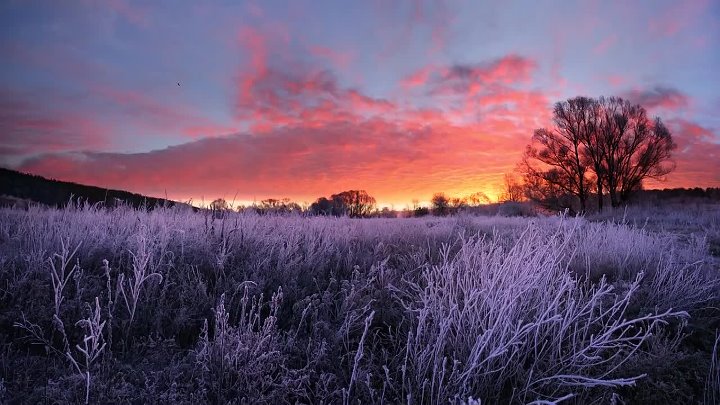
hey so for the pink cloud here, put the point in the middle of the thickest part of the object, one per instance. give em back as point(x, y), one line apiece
point(208, 130)
point(463, 79)
point(151, 113)
point(91, 78)
point(697, 156)
point(362, 103)
point(270, 95)
point(310, 136)
point(616, 80)
point(659, 97)
point(418, 78)
point(254, 42)
point(28, 128)
point(676, 18)
point(338, 59)
point(603, 46)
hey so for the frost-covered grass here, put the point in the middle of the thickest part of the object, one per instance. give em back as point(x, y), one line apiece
point(172, 306)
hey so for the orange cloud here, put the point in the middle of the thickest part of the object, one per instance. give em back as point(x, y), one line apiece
point(393, 163)
point(697, 156)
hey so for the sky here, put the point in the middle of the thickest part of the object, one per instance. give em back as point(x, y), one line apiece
point(247, 100)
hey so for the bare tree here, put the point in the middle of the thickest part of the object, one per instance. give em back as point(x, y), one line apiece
point(458, 203)
point(353, 203)
point(632, 147)
point(278, 206)
point(477, 198)
point(548, 192)
point(513, 190)
point(555, 156)
point(609, 143)
point(440, 204)
point(322, 206)
point(587, 113)
point(415, 204)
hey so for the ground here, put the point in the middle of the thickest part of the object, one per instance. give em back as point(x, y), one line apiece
point(175, 306)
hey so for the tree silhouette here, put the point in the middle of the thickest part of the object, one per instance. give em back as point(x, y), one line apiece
point(606, 143)
point(458, 203)
point(631, 146)
point(477, 198)
point(322, 206)
point(353, 203)
point(440, 204)
point(275, 206)
point(555, 155)
point(513, 190)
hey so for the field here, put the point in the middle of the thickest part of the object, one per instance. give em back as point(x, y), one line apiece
point(172, 306)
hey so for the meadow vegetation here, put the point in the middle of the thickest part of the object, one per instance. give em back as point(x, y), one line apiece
point(174, 306)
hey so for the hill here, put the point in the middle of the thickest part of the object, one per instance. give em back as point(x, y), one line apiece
point(18, 188)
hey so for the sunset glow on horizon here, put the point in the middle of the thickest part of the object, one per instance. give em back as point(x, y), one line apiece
point(269, 99)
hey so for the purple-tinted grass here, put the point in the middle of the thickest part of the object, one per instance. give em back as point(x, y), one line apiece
point(186, 307)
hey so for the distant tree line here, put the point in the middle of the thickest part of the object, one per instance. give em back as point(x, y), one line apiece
point(266, 206)
point(444, 205)
point(351, 203)
point(356, 204)
point(678, 195)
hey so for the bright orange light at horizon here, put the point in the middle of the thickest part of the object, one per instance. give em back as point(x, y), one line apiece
point(231, 199)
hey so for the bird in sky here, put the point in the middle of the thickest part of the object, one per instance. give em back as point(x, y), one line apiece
point(178, 84)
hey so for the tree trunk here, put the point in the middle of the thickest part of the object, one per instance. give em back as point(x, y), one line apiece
point(613, 198)
point(600, 194)
point(612, 190)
